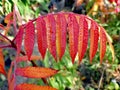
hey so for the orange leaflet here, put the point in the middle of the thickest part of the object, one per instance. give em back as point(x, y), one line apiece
point(73, 30)
point(9, 18)
point(83, 37)
point(29, 39)
point(18, 39)
point(51, 34)
point(94, 36)
point(41, 36)
point(35, 72)
point(61, 26)
point(103, 40)
point(2, 64)
point(25, 86)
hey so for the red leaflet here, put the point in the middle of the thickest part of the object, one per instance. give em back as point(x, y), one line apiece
point(41, 36)
point(73, 30)
point(29, 38)
point(94, 36)
point(35, 72)
point(2, 64)
point(83, 37)
point(19, 39)
point(61, 26)
point(51, 34)
point(103, 40)
point(25, 86)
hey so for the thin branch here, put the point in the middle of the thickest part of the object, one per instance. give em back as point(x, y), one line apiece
point(6, 46)
point(5, 37)
point(100, 82)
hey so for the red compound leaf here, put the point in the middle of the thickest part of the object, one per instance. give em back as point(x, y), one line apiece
point(94, 36)
point(29, 38)
point(61, 26)
point(83, 37)
point(41, 36)
point(73, 30)
point(35, 72)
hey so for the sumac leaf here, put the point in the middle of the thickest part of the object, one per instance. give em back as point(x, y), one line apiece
point(25, 86)
point(61, 26)
point(29, 39)
point(18, 39)
point(35, 72)
point(103, 40)
point(94, 36)
point(83, 37)
point(51, 34)
point(41, 36)
point(73, 30)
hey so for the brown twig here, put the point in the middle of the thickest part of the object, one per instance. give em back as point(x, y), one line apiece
point(101, 79)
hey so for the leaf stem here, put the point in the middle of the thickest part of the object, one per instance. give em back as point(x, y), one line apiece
point(5, 37)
